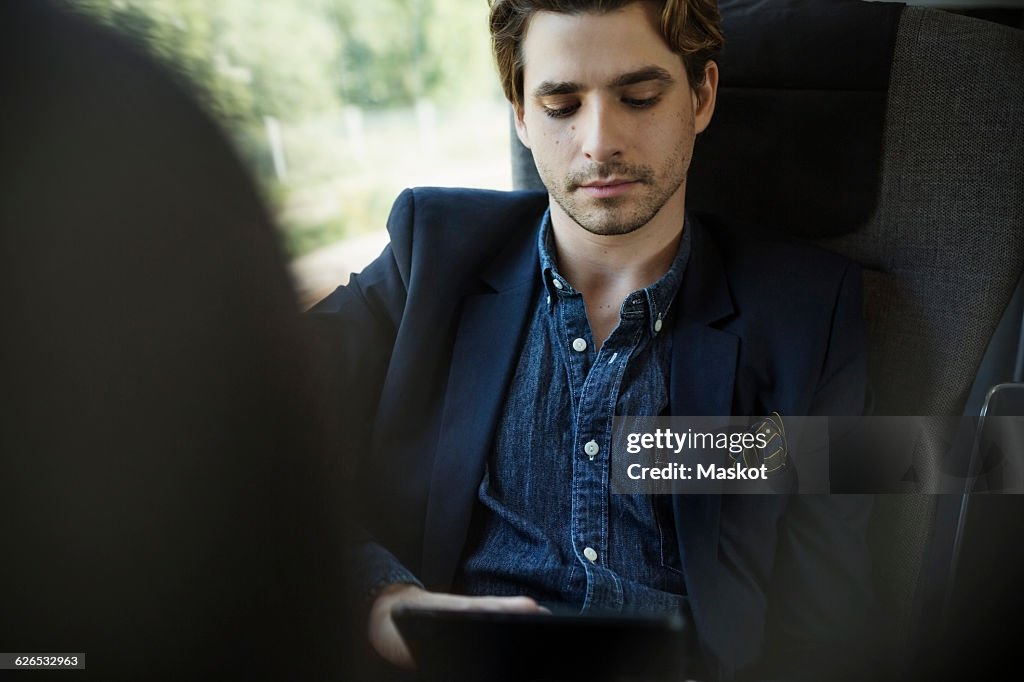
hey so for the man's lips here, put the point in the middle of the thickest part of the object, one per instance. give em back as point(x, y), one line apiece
point(610, 187)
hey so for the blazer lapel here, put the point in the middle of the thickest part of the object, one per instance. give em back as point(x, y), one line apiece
point(703, 372)
point(703, 357)
point(484, 358)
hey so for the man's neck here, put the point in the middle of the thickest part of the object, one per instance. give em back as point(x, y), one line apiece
point(627, 262)
point(607, 268)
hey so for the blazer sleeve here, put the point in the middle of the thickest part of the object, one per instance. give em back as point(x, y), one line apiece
point(821, 603)
point(356, 326)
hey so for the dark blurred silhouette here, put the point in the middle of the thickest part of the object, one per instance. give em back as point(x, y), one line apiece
point(166, 503)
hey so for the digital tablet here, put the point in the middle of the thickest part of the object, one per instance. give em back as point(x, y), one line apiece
point(459, 646)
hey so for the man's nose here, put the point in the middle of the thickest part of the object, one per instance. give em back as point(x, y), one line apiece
point(603, 138)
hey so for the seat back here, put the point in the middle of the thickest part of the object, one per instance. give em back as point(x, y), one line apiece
point(942, 253)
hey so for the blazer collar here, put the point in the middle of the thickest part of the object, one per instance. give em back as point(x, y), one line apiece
point(706, 295)
point(517, 264)
point(703, 356)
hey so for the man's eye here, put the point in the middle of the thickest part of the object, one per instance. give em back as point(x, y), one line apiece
point(560, 112)
point(643, 103)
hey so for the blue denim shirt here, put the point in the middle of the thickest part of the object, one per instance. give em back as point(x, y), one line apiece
point(546, 524)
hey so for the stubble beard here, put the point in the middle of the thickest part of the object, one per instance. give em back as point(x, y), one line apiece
point(617, 215)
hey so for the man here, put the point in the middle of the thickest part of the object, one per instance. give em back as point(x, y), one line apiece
point(484, 354)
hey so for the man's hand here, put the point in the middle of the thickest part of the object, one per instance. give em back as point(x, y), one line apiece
point(384, 635)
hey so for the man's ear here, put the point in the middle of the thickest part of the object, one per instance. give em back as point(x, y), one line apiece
point(704, 97)
point(521, 132)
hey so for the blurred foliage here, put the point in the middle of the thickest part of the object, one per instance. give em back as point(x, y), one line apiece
point(363, 209)
point(182, 34)
point(292, 57)
point(311, 65)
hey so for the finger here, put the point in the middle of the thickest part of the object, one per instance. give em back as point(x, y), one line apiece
point(501, 604)
point(399, 653)
point(453, 602)
point(388, 643)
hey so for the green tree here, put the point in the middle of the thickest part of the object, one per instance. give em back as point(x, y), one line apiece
point(182, 34)
point(245, 62)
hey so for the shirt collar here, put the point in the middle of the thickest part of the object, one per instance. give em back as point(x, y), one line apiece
point(654, 300)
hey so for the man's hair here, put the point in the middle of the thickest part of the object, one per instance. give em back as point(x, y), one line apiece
point(690, 28)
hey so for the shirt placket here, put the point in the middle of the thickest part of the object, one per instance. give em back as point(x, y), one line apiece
point(595, 379)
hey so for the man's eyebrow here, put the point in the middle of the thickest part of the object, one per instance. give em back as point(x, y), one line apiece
point(647, 73)
point(549, 88)
point(642, 75)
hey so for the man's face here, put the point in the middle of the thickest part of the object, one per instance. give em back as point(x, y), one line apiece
point(610, 117)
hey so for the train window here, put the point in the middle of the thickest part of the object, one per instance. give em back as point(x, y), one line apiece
point(336, 106)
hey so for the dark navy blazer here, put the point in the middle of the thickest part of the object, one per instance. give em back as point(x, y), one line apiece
point(423, 345)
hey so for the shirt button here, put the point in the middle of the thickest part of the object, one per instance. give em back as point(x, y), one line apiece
point(657, 325)
point(591, 554)
point(556, 283)
point(592, 448)
point(579, 345)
